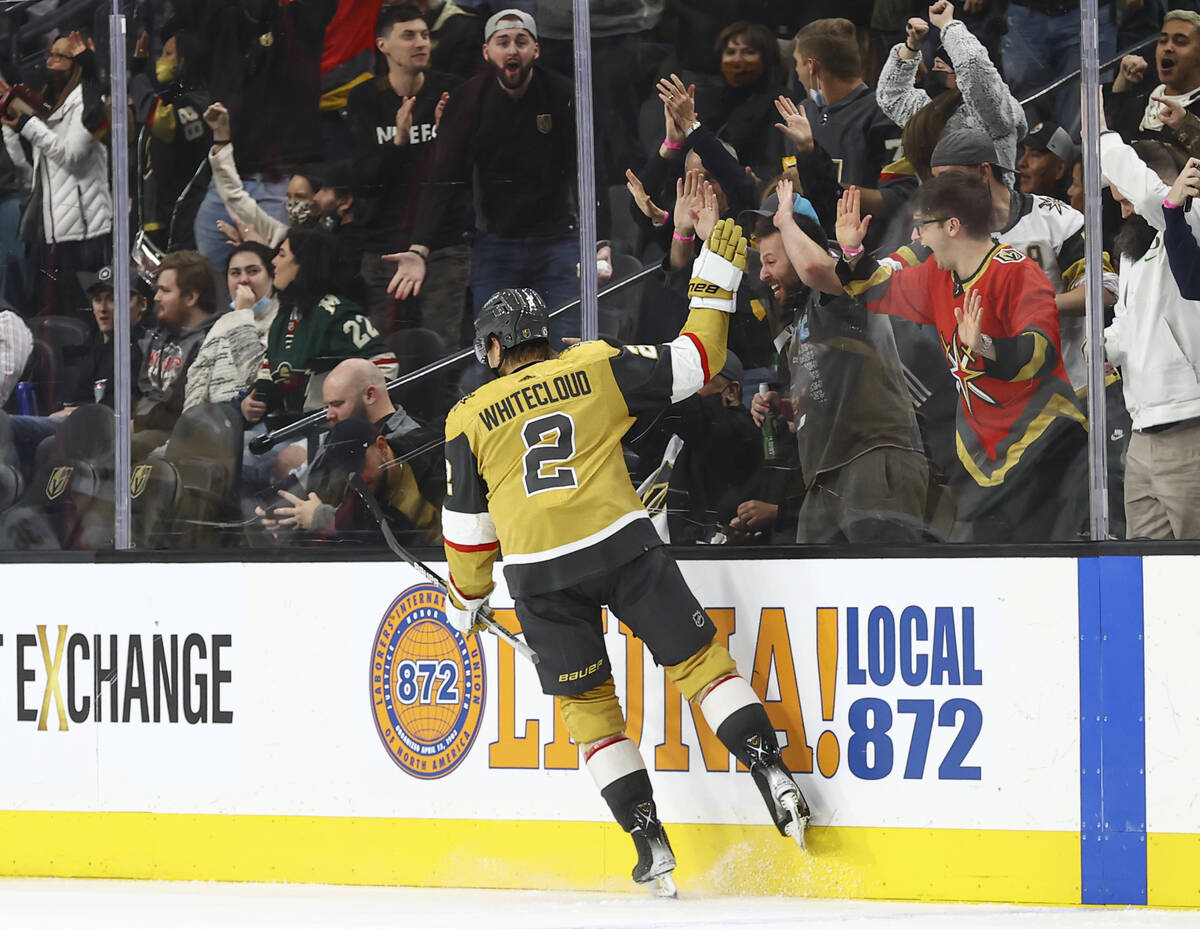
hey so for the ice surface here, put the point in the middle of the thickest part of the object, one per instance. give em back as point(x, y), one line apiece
point(78, 904)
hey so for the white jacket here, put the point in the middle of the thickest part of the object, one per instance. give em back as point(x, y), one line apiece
point(1155, 335)
point(72, 167)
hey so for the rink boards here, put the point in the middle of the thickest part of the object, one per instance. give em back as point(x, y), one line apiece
point(1017, 730)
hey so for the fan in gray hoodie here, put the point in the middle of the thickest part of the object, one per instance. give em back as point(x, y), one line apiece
point(987, 104)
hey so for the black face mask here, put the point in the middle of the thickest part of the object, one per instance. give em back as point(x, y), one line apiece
point(936, 83)
point(1135, 238)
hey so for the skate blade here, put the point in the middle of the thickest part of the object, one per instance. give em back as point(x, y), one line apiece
point(664, 887)
point(795, 829)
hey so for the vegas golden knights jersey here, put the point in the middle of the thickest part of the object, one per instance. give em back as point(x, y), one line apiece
point(534, 464)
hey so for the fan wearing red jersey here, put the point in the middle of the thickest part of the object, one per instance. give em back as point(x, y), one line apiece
point(1020, 429)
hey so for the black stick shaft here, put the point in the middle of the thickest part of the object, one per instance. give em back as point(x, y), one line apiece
point(485, 613)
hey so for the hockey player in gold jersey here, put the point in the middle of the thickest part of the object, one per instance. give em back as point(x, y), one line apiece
point(534, 466)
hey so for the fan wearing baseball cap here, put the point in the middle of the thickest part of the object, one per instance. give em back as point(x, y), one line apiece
point(856, 462)
point(1047, 230)
point(95, 381)
point(508, 133)
point(1044, 161)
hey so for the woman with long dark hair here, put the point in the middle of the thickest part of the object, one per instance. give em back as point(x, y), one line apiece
point(314, 329)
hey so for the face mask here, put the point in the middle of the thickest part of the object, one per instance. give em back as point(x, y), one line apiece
point(741, 74)
point(165, 71)
point(817, 97)
point(298, 211)
point(937, 82)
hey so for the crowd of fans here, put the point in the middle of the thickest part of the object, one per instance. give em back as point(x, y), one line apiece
point(325, 193)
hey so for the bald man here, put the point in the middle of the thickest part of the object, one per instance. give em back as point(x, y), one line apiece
point(356, 389)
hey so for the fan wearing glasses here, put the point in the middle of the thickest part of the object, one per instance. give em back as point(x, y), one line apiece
point(1019, 427)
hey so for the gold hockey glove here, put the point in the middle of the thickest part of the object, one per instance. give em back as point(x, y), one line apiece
point(718, 270)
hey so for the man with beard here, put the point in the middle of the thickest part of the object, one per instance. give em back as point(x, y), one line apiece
point(394, 120)
point(861, 465)
point(512, 129)
point(187, 304)
point(1134, 109)
point(399, 459)
point(1155, 340)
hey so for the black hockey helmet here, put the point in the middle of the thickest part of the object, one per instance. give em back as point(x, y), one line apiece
point(514, 316)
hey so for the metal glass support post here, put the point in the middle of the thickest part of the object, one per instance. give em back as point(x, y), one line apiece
point(122, 389)
point(585, 146)
point(1097, 419)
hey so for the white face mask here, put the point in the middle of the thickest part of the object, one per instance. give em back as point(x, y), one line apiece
point(817, 97)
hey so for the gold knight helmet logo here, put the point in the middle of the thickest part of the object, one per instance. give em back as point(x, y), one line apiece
point(139, 480)
point(59, 479)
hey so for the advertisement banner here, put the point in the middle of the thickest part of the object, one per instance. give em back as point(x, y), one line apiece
point(908, 693)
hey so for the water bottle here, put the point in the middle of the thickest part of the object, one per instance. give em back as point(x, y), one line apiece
point(26, 401)
point(770, 438)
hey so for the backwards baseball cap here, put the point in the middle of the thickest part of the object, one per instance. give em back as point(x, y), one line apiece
point(345, 448)
point(800, 205)
point(503, 20)
point(733, 369)
point(964, 147)
point(1050, 137)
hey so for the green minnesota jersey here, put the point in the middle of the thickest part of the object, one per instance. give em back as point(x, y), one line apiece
point(534, 463)
point(303, 348)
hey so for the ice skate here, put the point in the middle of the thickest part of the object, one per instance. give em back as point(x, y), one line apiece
point(656, 861)
point(779, 790)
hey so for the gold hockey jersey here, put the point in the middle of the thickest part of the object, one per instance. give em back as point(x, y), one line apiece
point(534, 464)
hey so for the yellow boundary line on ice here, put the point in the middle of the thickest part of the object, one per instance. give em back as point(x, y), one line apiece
point(872, 863)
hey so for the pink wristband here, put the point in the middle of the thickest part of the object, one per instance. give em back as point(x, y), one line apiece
point(1169, 205)
point(666, 219)
point(852, 252)
point(682, 238)
point(667, 143)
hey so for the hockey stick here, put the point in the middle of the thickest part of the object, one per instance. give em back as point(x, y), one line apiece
point(485, 612)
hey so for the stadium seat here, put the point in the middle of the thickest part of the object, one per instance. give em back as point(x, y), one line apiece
point(156, 492)
point(205, 449)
